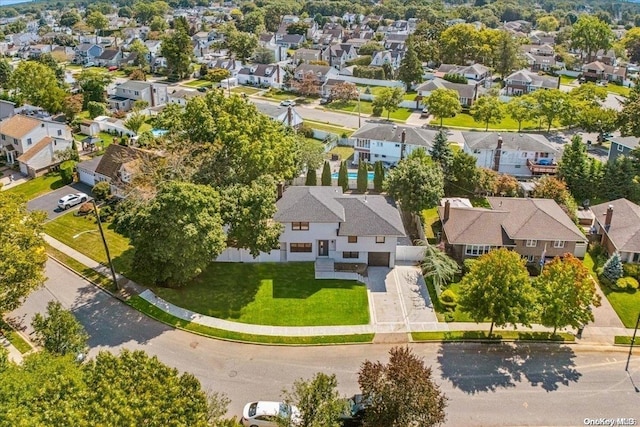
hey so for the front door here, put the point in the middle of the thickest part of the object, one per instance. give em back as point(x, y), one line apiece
point(323, 248)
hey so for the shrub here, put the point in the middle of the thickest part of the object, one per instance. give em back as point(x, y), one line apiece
point(85, 209)
point(467, 265)
point(448, 317)
point(106, 213)
point(449, 300)
point(632, 270)
point(119, 114)
point(306, 131)
point(101, 190)
point(96, 109)
point(626, 284)
point(612, 269)
point(66, 171)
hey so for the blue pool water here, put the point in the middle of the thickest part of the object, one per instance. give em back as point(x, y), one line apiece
point(353, 175)
point(158, 132)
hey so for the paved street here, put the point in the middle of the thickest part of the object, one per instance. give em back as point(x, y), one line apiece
point(49, 201)
point(488, 385)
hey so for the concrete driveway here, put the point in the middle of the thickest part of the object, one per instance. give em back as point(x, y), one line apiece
point(49, 201)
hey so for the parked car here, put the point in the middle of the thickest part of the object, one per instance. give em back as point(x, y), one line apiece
point(425, 113)
point(113, 68)
point(324, 101)
point(89, 64)
point(265, 414)
point(355, 416)
point(288, 103)
point(71, 200)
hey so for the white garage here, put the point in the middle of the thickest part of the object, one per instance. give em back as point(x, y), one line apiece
point(87, 169)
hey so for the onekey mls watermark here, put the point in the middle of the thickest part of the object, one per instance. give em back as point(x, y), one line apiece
point(610, 421)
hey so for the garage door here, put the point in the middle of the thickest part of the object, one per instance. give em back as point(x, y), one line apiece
point(379, 259)
point(86, 177)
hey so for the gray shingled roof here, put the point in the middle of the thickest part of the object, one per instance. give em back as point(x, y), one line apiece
point(135, 85)
point(510, 141)
point(393, 133)
point(626, 141)
point(271, 110)
point(624, 231)
point(464, 90)
point(370, 216)
point(310, 204)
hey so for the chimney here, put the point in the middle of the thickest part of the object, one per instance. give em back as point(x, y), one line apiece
point(280, 190)
point(607, 218)
point(402, 146)
point(497, 154)
point(447, 211)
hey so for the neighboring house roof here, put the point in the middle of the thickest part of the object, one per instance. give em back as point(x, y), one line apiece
point(534, 79)
point(266, 38)
point(510, 141)
point(357, 215)
point(41, 145)
point(604, 68)
point(114, 157)
point(393, 133)
point(476, 69)
point(185, 94)
point(134, 85)
point(290, 38)
point(475, 226)
point(464, 90)
point(109, 54)
point(624, 231)
point(630, 142)
point(260, 70)
point(316, 69)
point(271, 110)
point(90, 165)
point(18, 126)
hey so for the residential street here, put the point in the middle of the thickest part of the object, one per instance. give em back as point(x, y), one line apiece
point(488, 385)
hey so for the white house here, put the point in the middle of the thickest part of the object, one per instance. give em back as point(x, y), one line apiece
point(131, 91)
point(384, 142)
point(322, 222)
point(267, 75)
point(285, 115)
point(33, 143)
point(518, 154)
point(182, 96)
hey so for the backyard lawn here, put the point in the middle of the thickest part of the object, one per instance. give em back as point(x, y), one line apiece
point(328, 127)
point(282, 96)
point(343, 152)
point(566, 80)
point(431, 223)
point(618, 90)
point(375, 90)
point(465, 120)
point(107, 138)
point(401, 114)
point(272, 294)
point(38, 186)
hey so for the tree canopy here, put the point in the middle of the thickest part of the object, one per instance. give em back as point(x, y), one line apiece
point(318, 401)
point(443, 103)
point(59, 332)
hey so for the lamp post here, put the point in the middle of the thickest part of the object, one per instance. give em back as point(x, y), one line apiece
point(106, 248)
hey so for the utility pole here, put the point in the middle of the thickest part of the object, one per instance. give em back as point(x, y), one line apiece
point(359, 124)
point(633, 340)
point(106, 248)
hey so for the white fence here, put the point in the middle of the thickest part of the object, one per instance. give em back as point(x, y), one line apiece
point(243, 255)
point(410, 253)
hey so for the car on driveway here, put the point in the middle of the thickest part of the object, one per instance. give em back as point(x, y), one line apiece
point(357, 406)
point(287, 103)
point(71, 200)
point(266, 414)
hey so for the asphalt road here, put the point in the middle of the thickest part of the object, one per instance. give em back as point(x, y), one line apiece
point(49, 201)
point(487, 385)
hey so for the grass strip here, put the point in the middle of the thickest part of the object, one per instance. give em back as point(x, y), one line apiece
point(497, 336)
point(14, 337)
point(154, 312)
point(92, 275)
point(623, 340)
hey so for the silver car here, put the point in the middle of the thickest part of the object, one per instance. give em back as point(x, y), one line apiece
point(71, 200)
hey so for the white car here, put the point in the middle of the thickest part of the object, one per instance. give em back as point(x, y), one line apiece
point(71, 200)
point(287, 103)
point(265, 414)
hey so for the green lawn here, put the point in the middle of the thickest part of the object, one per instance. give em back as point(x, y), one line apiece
point(344, 152)
point(246, 89)
point(566, 80)
point(375, 90)
point(497, 336)
point(282, 95)
point(38, 186)
point(328, 127)
point(106, 138)
point(618, 90)
point(198, 83)
point(65, 227)
point(281, 294)
point(14, 337)
point(466, 121)
point(431, 224)
point(401, 114)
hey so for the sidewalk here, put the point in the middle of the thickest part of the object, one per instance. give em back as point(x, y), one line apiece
point(14, 354)
point(593, 334)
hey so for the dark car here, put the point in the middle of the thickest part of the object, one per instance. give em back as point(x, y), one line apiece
point(324, 101)
point(202, 89)
point(355, 415)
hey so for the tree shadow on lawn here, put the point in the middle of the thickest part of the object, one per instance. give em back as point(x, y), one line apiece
point(475, 368)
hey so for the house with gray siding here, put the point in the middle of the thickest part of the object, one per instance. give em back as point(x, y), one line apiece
point(621, 146)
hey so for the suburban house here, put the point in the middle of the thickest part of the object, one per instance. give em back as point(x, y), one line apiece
point(389, 143)
point(621, 146)
point(537, 229)
point(323, 223)
point(524, 81)
point(33, 143)
point(87, 170)
point(618, 225)
point(290, 41)
point(513, 153)
point(322, 72)
point(307, 55)
point(131, 91)
point(337, 55)
point(116, 166)
point(597, 70)
point(539, 57)
point(182, 96)
point(268, 75)
point(476, 72)
point(87, 52)
point(467, 93)
point(285, 115)
point(386, 57)
point(109, 58)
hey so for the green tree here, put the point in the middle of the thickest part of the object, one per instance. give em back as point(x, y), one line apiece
point(59, 332)
point(388, 98)
point(416, 182)
point(312, 177)
point(5, 73)
point(158, 23)
point(459, 43)
point(240, 44)
point(102, 190)
point(566, 293)
point(71, 106)
point(619, 180)
point(310, 153)
point(549, 187)
point(216, 75)
point(135, 122)
point(629, 117)
point(488, 109)
point(463, 176)
point(176, 49)
point(438, 266)
point(176, 234)
point(326, 174)
point(612, 270)
point(410, 70)
point(97, 21)
point(443, 103)
point(401, 392)
point(96, 109)
point(69, 18)
point(378, 177)
point(370, 47)
point(498, 289)
point(142, 53)
point(263, 55)
point(552, 105)
point(37, 83)
point(441, 152)
point(547, 23)
point(507, 54)
point(93, 83)
point(363, 177)
point(589, 34)
point(343, 176)
point(589, 93)
point(574, 169)
point(318, 401)
point(522, 108)
point(22, 251)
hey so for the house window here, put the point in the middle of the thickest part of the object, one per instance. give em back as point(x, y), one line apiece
point(300, 247)
point(351, 255)
point(300, 226)
point(476, 151)
point(397, 145)
point(558, 244)
point(352, 239)
point(15, 141)
point(476, 250)
point(532, 243)
point(524, 154)
point(59, 132)
point(379, 239)
point(136, 93)
point(4, 138)
point(529, 258)
point(29, 142)
point(620, 147)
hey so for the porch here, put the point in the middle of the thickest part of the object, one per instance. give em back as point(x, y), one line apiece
point(537, 169)
point(327, 268)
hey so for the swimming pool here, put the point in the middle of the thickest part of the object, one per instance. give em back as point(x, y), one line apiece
point(158, 132)
point(354, 175)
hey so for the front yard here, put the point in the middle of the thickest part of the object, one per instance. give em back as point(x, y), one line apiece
point(464, 120)
point(38, 186)
point(401, 114)
point(248, 90)
point(198, 83)
point(618, 90)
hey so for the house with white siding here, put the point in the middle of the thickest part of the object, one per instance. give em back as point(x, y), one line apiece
point(389, 143)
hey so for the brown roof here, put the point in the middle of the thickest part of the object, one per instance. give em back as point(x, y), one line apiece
point(624, 231)
point(18, 126)
point(41, 145)
point(114, 157)
point(475, 226)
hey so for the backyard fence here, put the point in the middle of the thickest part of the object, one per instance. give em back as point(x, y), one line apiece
point(410, 253)
point(243, 255)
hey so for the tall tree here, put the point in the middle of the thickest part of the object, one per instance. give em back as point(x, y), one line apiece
point(401, 392)
point(176, 234)
point(619, 180)
point(59, 332)
point(308, 85)
point(388, 98)
point(522, 108)
point(553, 105)
point(318, 401)
point(507, 54)
point(459, 43)
point(142, 53)
point(135, 122)
point(176, 49)
point(263, 55)
point(566, 293)
point(629, 117)
point(326, 174)
point(506, 185)
point(438, 266)
point(443, 103)
point(547, 23)
point(22, 251)
point(94, 84)
point(589, 34)
point(343, 176)
point(312, 177)
point(37, 83)
point(574, 167)
point(97, 21)
point(378, 176)
point(5, 73)
point(416, 182)
point(441, 152)
point(463, 176)
point(488, 109)
point(363, 177)
point(410, 70)
point(498, 289)
point(344, 92)
point(240, 44)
